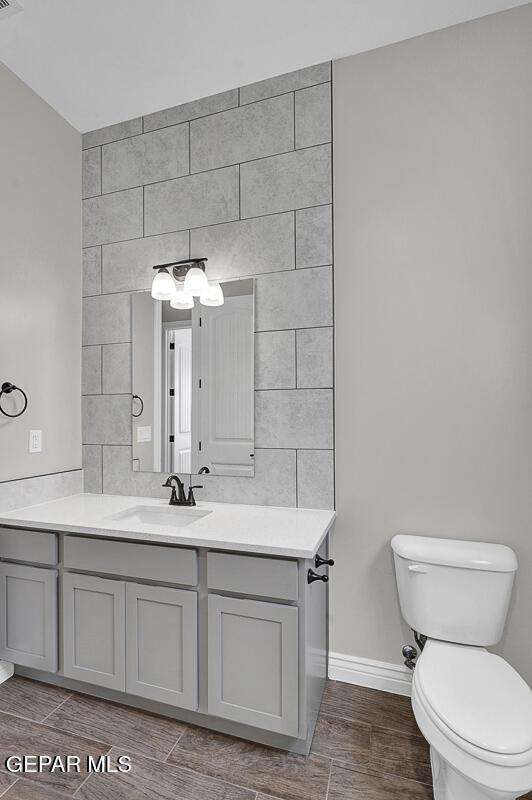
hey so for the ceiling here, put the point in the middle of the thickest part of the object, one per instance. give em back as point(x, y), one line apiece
point(103, 61)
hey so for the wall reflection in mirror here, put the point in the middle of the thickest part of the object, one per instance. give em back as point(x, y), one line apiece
point(193, 384)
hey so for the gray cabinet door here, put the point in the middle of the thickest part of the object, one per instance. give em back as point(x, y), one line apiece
point(253, 663)
point(28, 616)
point(162, 644)
point(94, 630)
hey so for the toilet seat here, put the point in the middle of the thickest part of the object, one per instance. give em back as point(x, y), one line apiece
point(478, 700)
point(501, 771)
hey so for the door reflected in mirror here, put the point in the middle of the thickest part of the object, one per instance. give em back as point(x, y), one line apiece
point(193, 384)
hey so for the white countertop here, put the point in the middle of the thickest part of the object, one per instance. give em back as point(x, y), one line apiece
point(293, 532)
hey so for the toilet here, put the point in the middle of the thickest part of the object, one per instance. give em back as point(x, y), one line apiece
point(472, 707)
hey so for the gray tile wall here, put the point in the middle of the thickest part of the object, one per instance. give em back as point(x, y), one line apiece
point(243, 177)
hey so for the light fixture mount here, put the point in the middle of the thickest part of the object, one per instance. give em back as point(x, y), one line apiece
point(180, 268)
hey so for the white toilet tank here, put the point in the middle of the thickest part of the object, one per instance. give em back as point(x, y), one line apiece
point(452, 590)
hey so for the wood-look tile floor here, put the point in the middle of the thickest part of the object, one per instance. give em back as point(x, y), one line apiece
point(366, 747)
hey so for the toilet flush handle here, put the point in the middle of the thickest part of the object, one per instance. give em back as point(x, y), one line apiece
point(418, 568)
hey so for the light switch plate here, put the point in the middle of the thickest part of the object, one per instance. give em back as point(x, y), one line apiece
point(144, 433)
point(35, 441)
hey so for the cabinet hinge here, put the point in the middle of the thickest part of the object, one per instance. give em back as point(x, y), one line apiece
point(171, 438)
point(172, 345)
point(172, 392)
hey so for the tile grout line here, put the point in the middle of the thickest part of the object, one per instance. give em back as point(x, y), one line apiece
point(202, 227)
point(174, 745)
point(88, 775)
point(9, 787)
point(191, 119)
point(282, 271)
point(329, 779)
point(57, 708)
point(211, 169)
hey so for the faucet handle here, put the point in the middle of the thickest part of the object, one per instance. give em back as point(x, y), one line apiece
point(190, 499)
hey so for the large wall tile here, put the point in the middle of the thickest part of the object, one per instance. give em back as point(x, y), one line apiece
point(92, 271)
point(314, 236)
point(107, 319)
point(92, 468)
point(254, 131)
point(315, 358)
point(127, 266)
point(112, 132)
point(315, 479)
point(106, 419)
point(275, 360)
point(119, 478)
point(294, 299)
point(246, 247)
point(116, 368)
point(192, 201)
point(280, 183)
point(300, 418)
point(197, 108)
point(286, 83)
point(313, 115)
point(112, 217)
point(91, 172)
point(253, 206)
point(155, 156)
point(91, 369)
point(274, 483)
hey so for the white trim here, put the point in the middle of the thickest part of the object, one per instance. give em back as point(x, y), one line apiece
point(6, 670)
point(367, 672)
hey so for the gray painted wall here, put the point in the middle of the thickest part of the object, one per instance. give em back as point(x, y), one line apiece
point(433, 243)
point(244, 178)
point(40, 290)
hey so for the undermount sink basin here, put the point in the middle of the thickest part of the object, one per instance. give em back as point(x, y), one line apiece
point(164, 517)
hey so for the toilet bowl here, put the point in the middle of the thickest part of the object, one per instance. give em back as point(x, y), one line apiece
point(475, 711)
point(472, 707)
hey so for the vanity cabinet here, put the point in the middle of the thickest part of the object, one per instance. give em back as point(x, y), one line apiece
point(233, 640)
point(253, 663)
point(133, 637)
point(28, 616)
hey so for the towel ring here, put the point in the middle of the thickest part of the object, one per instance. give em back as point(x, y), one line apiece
point(136, 397)
point(7, 388)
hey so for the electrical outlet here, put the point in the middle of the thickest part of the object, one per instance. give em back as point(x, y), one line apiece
point(35, 441)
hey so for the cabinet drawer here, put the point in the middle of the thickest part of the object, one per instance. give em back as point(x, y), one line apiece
point(152, 562)
point(262, 577)
point(34, 546)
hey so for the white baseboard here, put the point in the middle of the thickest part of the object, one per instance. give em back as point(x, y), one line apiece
point(6, 670)
point(374, 674)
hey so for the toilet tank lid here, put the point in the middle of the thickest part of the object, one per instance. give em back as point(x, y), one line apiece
point(455, 553)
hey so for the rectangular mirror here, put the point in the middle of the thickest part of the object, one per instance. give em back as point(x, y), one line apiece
point(193, 384)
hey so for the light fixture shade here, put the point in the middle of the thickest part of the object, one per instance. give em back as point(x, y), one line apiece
point(196, 282)
point(163, 286)
point(182, 299)
point(214, 295)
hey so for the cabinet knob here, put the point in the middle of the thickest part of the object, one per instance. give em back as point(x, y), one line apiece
point(320, 562)
point(313, 576)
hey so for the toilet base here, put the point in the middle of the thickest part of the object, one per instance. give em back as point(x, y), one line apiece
point(449, 784)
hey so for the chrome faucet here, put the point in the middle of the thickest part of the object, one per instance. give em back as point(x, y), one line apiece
point(178, 497)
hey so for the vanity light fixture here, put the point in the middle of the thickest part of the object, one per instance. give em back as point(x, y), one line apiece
point(213, 296)
point(181, 281)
